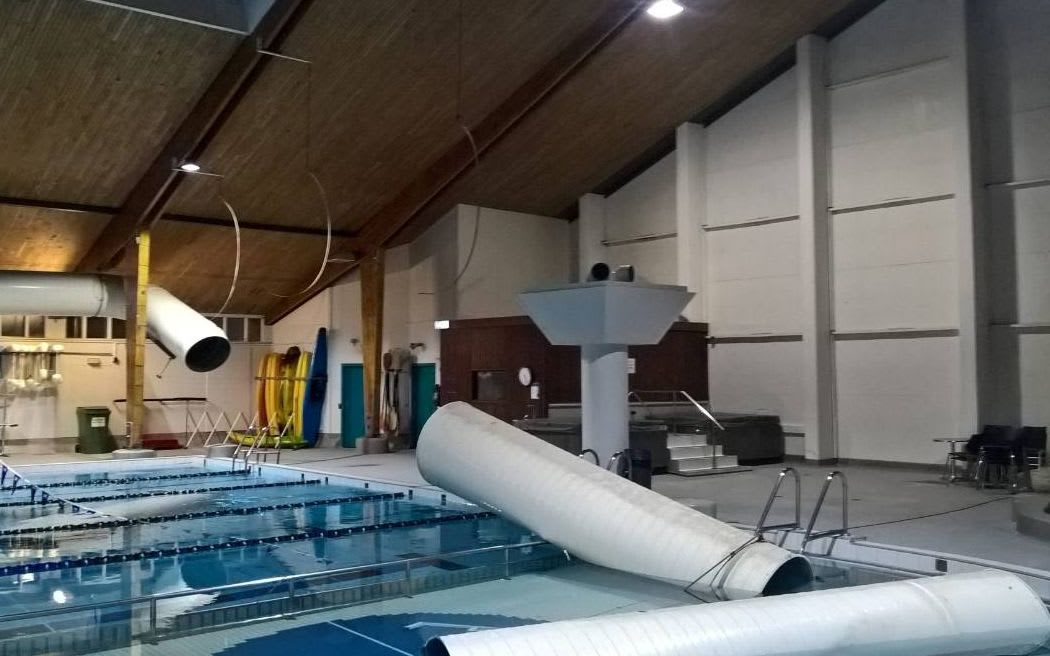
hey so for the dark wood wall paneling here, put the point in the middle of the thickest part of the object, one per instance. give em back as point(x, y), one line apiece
point(506, 344)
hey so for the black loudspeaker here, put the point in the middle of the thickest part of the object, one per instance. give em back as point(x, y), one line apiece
point(624, 273)
point(599, 271)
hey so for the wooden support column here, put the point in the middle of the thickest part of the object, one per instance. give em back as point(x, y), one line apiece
point(372, 271)
point(136, 341)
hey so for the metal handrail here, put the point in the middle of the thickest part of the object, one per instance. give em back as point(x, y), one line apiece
point(594, 453)
point(674, 395)
point(268, 582)
point(810, 535)
point(637, 397)
point(761, 527)
point(614, 464)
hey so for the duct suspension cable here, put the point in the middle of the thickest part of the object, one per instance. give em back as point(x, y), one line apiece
point(477, 159)
point(719, 566)
point(308, 151)
point(237, 260)
point(160, 374)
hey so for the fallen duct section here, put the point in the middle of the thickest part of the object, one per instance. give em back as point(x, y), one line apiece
point(594, 514)
point(982, 614)
point(175, 326)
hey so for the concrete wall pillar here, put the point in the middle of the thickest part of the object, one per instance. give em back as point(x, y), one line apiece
point(590, 228)
point(691, 215)
point(974, 317)
point(815, 243)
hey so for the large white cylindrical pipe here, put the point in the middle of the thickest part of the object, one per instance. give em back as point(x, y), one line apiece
point(595, 514)
point(61, 294)
point(604, 407)
point(192, 338)
point(986, 613)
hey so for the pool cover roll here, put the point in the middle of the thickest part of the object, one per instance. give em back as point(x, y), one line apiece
point(594, 514)
point(979, 614)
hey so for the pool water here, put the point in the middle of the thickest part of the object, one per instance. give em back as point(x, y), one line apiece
point(247, 531)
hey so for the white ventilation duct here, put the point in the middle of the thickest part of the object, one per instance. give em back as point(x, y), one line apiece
point(594, 514)
point(175, 326)
point(985, 613)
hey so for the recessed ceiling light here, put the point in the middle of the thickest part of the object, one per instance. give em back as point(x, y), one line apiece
point(664, 9)
point(190, 167)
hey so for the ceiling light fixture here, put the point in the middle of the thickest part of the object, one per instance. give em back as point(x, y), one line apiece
point(664, 9)
point(190, 167)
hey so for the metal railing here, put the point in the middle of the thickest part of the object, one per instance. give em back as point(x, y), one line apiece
point(594, 453)
point(288, 582)
point(677, 397)
point(614, 464)
point(810, 535)
point(761, 527)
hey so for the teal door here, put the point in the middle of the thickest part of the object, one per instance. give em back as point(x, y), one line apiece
point(353, 404)
point(424, 377)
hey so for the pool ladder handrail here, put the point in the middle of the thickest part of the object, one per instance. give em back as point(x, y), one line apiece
point(844, 531)
point(762, 527)
point(594, 453)
point(261, 436)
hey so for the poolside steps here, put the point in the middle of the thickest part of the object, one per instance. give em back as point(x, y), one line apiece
point(691, 455)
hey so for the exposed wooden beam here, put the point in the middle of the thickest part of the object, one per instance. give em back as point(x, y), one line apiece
point(83, 208)
point(57, 205)
point(149, 195)
point(264, 227)
point(372, 279)
point(382, 226)
point(137, 285)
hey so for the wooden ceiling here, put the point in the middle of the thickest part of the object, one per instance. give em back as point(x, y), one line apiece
point(89, 94)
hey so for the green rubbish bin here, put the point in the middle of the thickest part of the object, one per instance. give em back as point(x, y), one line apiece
point(93, 434)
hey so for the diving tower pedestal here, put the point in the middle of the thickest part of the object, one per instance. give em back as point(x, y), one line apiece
point(603, 318)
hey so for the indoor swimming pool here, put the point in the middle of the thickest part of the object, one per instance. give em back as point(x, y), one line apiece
point(350, 565)
point(209, 545)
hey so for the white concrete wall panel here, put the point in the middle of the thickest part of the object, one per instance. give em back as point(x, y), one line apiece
point(654, 261)
point(752, 160)
point(645, 205)
point(1014, 63)
point(757, 377)
point(896, 34)
point(896, 268)
point(895, 396)
point(891, 138)
point(754, 279)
